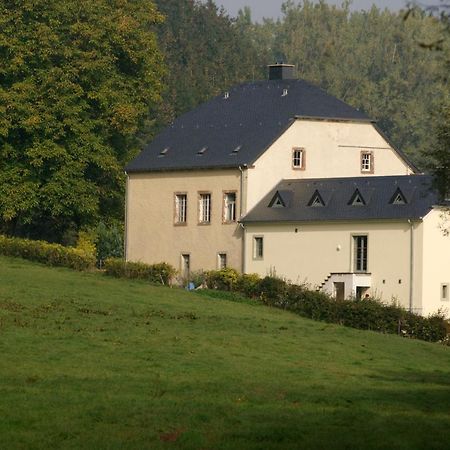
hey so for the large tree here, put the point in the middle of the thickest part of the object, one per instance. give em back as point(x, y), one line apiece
point(78, 82)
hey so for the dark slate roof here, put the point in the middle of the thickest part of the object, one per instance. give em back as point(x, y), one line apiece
point(249, 119)
point(377, 194)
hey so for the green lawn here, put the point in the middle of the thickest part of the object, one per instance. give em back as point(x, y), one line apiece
point(89, 362)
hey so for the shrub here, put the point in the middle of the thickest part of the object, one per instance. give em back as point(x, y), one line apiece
point(248, 284)
point(161, 273)
point(223, 279)
point(46, 253)
point(109, 242)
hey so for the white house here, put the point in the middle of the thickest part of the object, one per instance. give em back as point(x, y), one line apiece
point(189, 188)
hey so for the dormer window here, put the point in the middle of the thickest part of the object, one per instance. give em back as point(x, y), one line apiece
point(367, 165)
point(398, 198)
point(202, 151)
point(316, 199)
point(357, 199)
point(298, 158)
point(277, 201)
point(163, 152)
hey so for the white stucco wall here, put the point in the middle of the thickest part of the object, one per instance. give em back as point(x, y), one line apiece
point(436, 261)
point(316, 250)
point(333, 149)
point(152, 236)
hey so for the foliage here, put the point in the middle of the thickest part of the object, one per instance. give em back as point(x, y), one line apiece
point(161, 273)
point(78, 83)
point(223, 279)
point(86, 243)
point(205, 52)
point(109, 242)
point(46, 253)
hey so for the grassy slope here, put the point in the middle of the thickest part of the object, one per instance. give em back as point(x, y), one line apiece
point(92, 362)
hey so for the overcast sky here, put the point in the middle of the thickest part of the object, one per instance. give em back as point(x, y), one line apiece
point(272, 8)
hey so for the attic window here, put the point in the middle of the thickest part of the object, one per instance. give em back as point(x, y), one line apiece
point(163, 152)
point(316, 199)
point(236, 150)
point(202, 151)
point(398, 198)
point(285, 92)
point(357, 199)
point(277, 201)
point(226, 95)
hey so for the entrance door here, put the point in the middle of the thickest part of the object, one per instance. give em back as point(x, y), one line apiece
point(339, 290)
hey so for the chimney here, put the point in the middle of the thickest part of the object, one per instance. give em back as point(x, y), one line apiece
point(280, 71)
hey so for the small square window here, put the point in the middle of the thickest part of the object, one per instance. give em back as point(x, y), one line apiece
point(229, 207)
point(445, 292)
point(180, 208)
point(366, 162)
point(258, 247)
point(298, 158)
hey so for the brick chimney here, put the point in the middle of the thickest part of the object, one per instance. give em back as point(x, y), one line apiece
point(280, 71)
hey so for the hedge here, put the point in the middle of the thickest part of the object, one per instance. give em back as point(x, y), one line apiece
point(366, 314)
point(46, 253)
point(161, 273)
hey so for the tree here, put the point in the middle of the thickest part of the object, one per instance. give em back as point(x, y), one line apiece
point(78, 83)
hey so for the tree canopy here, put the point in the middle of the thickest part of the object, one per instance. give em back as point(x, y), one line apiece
point(78, 82)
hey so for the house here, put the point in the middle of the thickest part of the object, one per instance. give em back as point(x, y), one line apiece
point(189, 188)
point(354, 236)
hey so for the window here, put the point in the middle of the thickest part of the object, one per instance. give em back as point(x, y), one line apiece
point(298, 158)
point(357, 199)
point(258, 247)
point(277, 201)
point(180, 208)
point(360, 253)
point(222, 260)
point(205, 208)
point(316, 199)
point(366, 162)
point(398, 198)
point(229, 207)
point(444, 292)
point(185, 265)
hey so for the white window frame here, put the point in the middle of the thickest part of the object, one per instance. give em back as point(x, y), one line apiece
point(258, 247)
point(204, 207)
point(360, 253)
point(367, 162)
point(298, 158)
point(229, 207)
point(180, 213)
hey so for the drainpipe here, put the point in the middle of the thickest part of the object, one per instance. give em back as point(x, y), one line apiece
point(411, 264)
point(243, 247)
point(241, 198)
point(126, 219)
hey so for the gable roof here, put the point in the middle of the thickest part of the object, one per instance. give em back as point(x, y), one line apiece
point(249, 119)
point(377, 192)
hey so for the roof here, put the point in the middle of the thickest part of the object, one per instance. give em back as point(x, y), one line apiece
point(353, 198)
point(234, 129)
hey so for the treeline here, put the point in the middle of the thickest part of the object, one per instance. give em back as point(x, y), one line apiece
point(83, 87)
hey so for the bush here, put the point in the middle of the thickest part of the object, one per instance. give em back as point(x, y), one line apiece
point(161, 273)
point(109, 242)
point(46, 253)
point(223, 279)
point(248, 284)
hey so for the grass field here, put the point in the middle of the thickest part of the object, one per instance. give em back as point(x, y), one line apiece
point(88, 362)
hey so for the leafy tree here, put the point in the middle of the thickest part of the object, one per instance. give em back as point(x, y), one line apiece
point(78, 83)
point(206, 52)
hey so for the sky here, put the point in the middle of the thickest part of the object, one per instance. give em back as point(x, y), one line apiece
point(272, 8)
